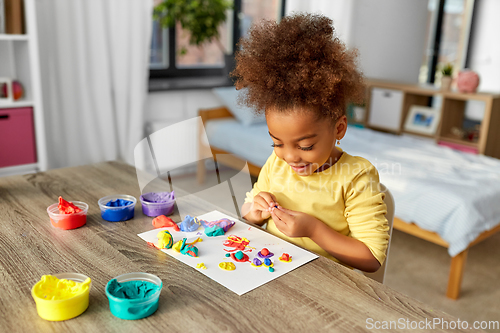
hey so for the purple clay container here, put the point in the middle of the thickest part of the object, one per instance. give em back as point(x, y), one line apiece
point(157, 203)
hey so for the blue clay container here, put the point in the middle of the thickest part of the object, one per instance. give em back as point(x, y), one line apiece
point(132, 309)
point(117, 214)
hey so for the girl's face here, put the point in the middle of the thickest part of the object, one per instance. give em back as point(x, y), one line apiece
point(304, 142)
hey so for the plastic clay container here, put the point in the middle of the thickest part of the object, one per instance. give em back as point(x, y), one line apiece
point(132, 309)
point(58, 310)
point(154, 209)
point(117, 214)
point(68, 221)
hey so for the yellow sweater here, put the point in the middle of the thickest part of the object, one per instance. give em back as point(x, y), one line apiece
point(345, 196)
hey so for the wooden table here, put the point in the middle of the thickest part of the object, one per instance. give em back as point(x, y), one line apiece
point(319, 295)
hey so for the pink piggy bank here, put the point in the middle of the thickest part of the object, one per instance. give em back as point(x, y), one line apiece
point(467, 81)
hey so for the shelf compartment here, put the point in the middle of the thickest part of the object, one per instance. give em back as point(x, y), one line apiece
point(459, 145)
point(456, 141)
point(17, 137)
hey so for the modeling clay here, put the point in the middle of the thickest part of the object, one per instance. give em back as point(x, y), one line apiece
point(214, 231)
point(264, 253)
point(199, 239)
point(268, 263)
point(224, 223)
point(228, 255)
point(158, 203)
point(271, 269)
point(132, 289)
point(123, 213)
point(51, 288)
point(158, 197)
point(256, 262)
point(178, 245)
point(190, 224)
point(190, 250)
point(186, 248)
point(285, 257)
point(162, 222)
point(239, 256)
point(66, 207)
point(165, 240)
point(118, 203)
point(201, 266)
point(227, 266)
point(238, 243)
point(72, 216)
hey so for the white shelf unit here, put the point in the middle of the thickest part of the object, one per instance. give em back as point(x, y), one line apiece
point(19, 60)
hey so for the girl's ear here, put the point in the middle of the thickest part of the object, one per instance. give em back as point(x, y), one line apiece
point(341, 127)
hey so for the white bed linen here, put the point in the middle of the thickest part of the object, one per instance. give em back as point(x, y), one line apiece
point(455, 194)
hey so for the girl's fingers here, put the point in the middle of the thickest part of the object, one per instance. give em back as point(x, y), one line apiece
point(269, 198)
point(283, 216)
point(287, 211)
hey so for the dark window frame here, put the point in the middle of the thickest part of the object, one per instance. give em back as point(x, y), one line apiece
point(173, 72)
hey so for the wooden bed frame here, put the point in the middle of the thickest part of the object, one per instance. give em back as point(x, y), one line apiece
point(457, 262)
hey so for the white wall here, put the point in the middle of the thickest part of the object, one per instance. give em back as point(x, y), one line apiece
point(389, 34)
point(390, 37)
point(169, 107)
point(484, 45)
point(340, 11)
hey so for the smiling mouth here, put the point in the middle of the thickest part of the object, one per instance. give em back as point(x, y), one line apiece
point(300, 168)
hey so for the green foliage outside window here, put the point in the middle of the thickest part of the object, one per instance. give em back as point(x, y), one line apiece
point(201, 18)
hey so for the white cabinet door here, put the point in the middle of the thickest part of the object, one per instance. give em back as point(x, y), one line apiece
point(386, 109)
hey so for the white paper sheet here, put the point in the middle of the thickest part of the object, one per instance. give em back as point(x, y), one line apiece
point(211, 252)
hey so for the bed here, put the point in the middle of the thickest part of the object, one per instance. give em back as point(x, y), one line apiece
point(444, 196)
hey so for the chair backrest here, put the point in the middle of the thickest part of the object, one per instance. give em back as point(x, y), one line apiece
point(389, 202)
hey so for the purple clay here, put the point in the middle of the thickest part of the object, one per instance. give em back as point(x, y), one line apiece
point(257, 262)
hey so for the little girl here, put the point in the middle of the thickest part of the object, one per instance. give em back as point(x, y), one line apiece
point(309, 191)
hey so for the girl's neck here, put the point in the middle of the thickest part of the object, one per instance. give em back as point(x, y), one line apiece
point(334, 157)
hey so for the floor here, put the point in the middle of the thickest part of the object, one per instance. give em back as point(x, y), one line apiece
point(416, 268)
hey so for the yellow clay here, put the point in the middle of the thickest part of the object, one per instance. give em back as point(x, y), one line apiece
point(201, 266)
point(60, 299)
point(227, 266)
point(177, 246)
point(51, 288)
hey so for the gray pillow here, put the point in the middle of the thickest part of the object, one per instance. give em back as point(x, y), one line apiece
point(229, 97)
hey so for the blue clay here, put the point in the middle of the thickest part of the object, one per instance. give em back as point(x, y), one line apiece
point(190, 224)
point(118, 203)
point(117, 215)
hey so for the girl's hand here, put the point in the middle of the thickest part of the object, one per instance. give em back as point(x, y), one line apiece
point(262, 204)
point(293, 223)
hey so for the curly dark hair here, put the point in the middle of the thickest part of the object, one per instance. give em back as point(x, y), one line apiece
point(298, 63)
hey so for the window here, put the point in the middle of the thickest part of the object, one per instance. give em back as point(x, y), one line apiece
point(172, 56)
point(448, 31)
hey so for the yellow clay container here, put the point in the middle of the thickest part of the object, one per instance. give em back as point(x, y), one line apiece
point(64, 307)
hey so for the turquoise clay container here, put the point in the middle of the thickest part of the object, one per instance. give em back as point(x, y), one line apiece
point(132, 309)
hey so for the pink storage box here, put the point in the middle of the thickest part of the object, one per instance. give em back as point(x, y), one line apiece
point(457, 146)
point(17, 137)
